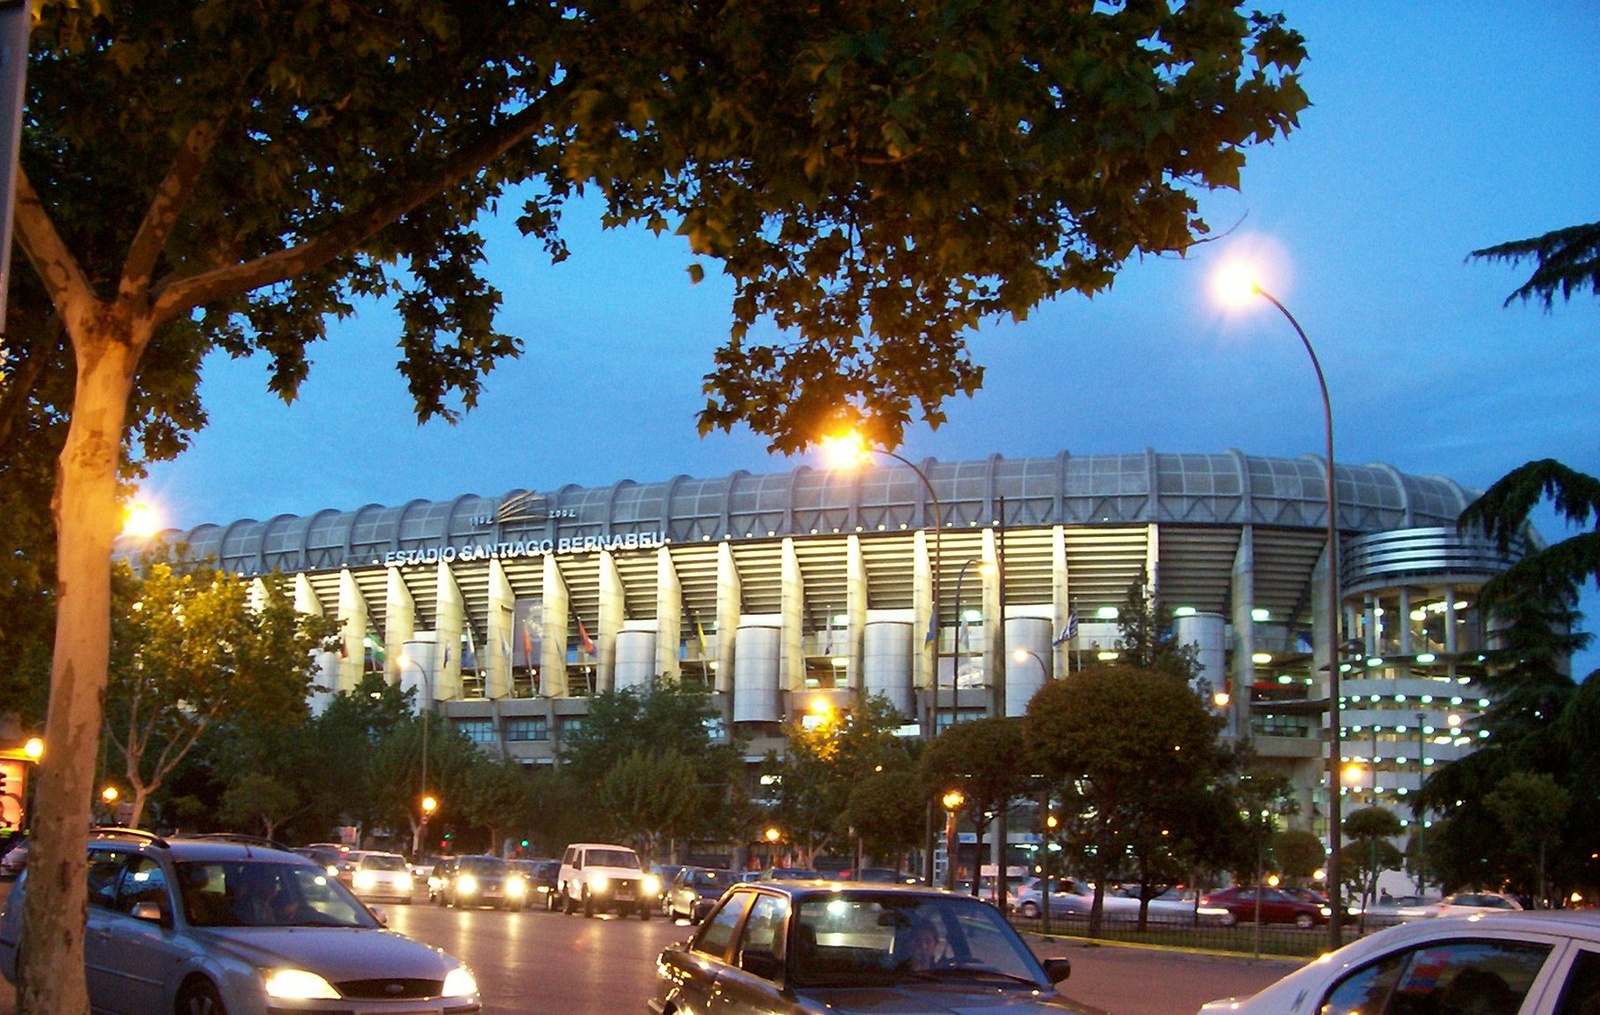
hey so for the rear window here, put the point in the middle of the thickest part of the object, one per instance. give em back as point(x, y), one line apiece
point(383, 862)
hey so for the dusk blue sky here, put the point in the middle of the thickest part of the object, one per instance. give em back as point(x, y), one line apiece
point(1436, 128)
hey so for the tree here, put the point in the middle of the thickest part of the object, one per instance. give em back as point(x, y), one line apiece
point(1370, 850)
point(495, 797)
point(987, 761)
point(258, 799)
point(191, 650)
point(824, 757)
point(1568, 261)
point(888, 811)
point(652, 795)
point(1148, 640)
point(1532, 808)
point(874, 181)
point(1299, 853)
point(1115, 738)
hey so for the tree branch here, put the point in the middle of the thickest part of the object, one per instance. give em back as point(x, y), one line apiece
point(172, 194)
point(36, 234)
point(175, 296)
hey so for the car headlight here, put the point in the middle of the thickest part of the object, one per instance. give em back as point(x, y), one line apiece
point(652, 885)
point(600, 883)
point(363, 880)
point(466, 884)
point(298, 984)
point(459, 982)
point(403, 882)
point(1325, 911)
point(516, 886)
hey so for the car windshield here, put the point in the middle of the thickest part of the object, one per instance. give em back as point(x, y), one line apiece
point(383, 862)
point(711, 878)
point(855, 939)
point(613, 858)
point(481, 866)
point(255, 893)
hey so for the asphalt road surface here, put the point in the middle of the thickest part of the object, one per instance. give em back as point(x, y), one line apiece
point(540, 963)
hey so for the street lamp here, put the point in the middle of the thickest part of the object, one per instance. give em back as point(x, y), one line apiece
point(1240, 283)
point(1022, 655)
point(952, 803)
point(1418, 809)
point(427, 707)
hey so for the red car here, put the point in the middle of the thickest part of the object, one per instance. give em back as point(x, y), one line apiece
point(1242, 903)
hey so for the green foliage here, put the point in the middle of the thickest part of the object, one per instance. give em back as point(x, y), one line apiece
point(256, 801)
point(812, 778)
point(1550, 575)
point(1568, 261)
point(1532, 808)
point(190, 649)
point(495, 796)
point(1298, 853)
point(653, 796)
point(1148, 639)
point(889, 811)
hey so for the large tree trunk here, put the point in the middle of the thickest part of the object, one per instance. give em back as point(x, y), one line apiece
point(86, 523)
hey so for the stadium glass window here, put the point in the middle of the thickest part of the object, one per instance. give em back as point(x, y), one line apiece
point(525, 728)
point(479, 731)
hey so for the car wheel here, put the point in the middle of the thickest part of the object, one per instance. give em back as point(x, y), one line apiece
point(644, 910)
point(588, 903)
point(569, 905)
point(1030, 910)
point(1303, 921)
point(200, 997)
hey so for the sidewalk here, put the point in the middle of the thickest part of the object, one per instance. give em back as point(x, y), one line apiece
point(1134, 980)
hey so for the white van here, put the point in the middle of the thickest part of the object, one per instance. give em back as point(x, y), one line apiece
point(599, 877)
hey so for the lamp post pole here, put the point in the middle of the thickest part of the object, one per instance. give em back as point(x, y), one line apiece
point(952, 803)
point(1335, 732)
point(427, 708)
point(1422, 821)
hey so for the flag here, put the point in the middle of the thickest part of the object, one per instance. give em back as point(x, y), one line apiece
point(700, 632)
point(583, 636)
point(380, 652)
point(1070, 631)
point(827, 646)
point(933, 628)
point(344, 648)
point(527, 646)
point(446, 657)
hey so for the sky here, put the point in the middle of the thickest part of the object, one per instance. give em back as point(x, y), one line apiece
point(1436, 128)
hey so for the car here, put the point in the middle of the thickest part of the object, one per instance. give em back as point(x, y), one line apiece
point(542, 877)
point(1269, 905)
point(828, 947)
point(382, 877)
point(695, 890)
point(598, 877)
point(476, 881)
point(1461, 904)
point(225, 925)
point(1512, 963)
point(331, 858)
point(788, 874)
point(15, 860)
point(436, 879)
point(664, 873)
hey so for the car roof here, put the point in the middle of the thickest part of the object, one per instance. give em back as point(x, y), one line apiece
point(818, 888)
point(198, 848)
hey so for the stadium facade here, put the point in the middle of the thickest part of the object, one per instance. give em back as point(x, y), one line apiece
point(774, 591)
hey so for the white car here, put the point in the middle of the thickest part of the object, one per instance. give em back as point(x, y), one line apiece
point(382, 877)
point(1515, 963)
point(1462, 904)
point(598, 876)
point(220, 924)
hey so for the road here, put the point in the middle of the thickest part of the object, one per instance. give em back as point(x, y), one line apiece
point(535, 963)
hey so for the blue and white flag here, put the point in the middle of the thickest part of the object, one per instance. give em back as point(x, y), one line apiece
point(1070, 631)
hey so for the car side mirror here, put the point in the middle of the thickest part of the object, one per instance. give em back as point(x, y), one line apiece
point(381, 914)
point(760, 962)
point(1057, 969)
point(146, 911)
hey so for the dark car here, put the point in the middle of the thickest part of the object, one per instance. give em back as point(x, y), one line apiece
point(542, 876)
point(482, 881)
point(665, 872)
point(807, 947)
point(1274, 905)
point(695, 890)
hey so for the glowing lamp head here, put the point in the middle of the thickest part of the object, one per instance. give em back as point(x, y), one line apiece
point(34, 748)
point(429, 804)
point(846, 450)
point(1235, 284)
point(142, 520)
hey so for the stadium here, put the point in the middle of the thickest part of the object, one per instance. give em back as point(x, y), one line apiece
point(953, 589)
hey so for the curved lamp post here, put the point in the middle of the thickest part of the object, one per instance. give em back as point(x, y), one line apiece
point(427, 708)
point(985, 567)
point(1238, 284)
point(952, 803)
point(851, 449)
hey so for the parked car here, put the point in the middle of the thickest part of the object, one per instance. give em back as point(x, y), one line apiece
point(543, 876)
point(327, 857)
point(382, 877)
point(598, 877)
point(808, 947)
point(1462, 904)
point(1271, 905)
point(1518, 963)
point(436, 879)
point(210, 925)
point(477, 881)
point(664, 873)
point(15, 860)
point(695, 890)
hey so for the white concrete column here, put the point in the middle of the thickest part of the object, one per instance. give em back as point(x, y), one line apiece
point(792, 608)
point(449, 618)
point(557, 628)
point(400, 623)
point(498, 624)
point(1243, 593)
point(1061, 598)
point(613, 608)
point(306, 601)
point(669, 616)
point(924, 652)
point(855, 609)
point(993, 664)
point(353, 631)
point(730, 595)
